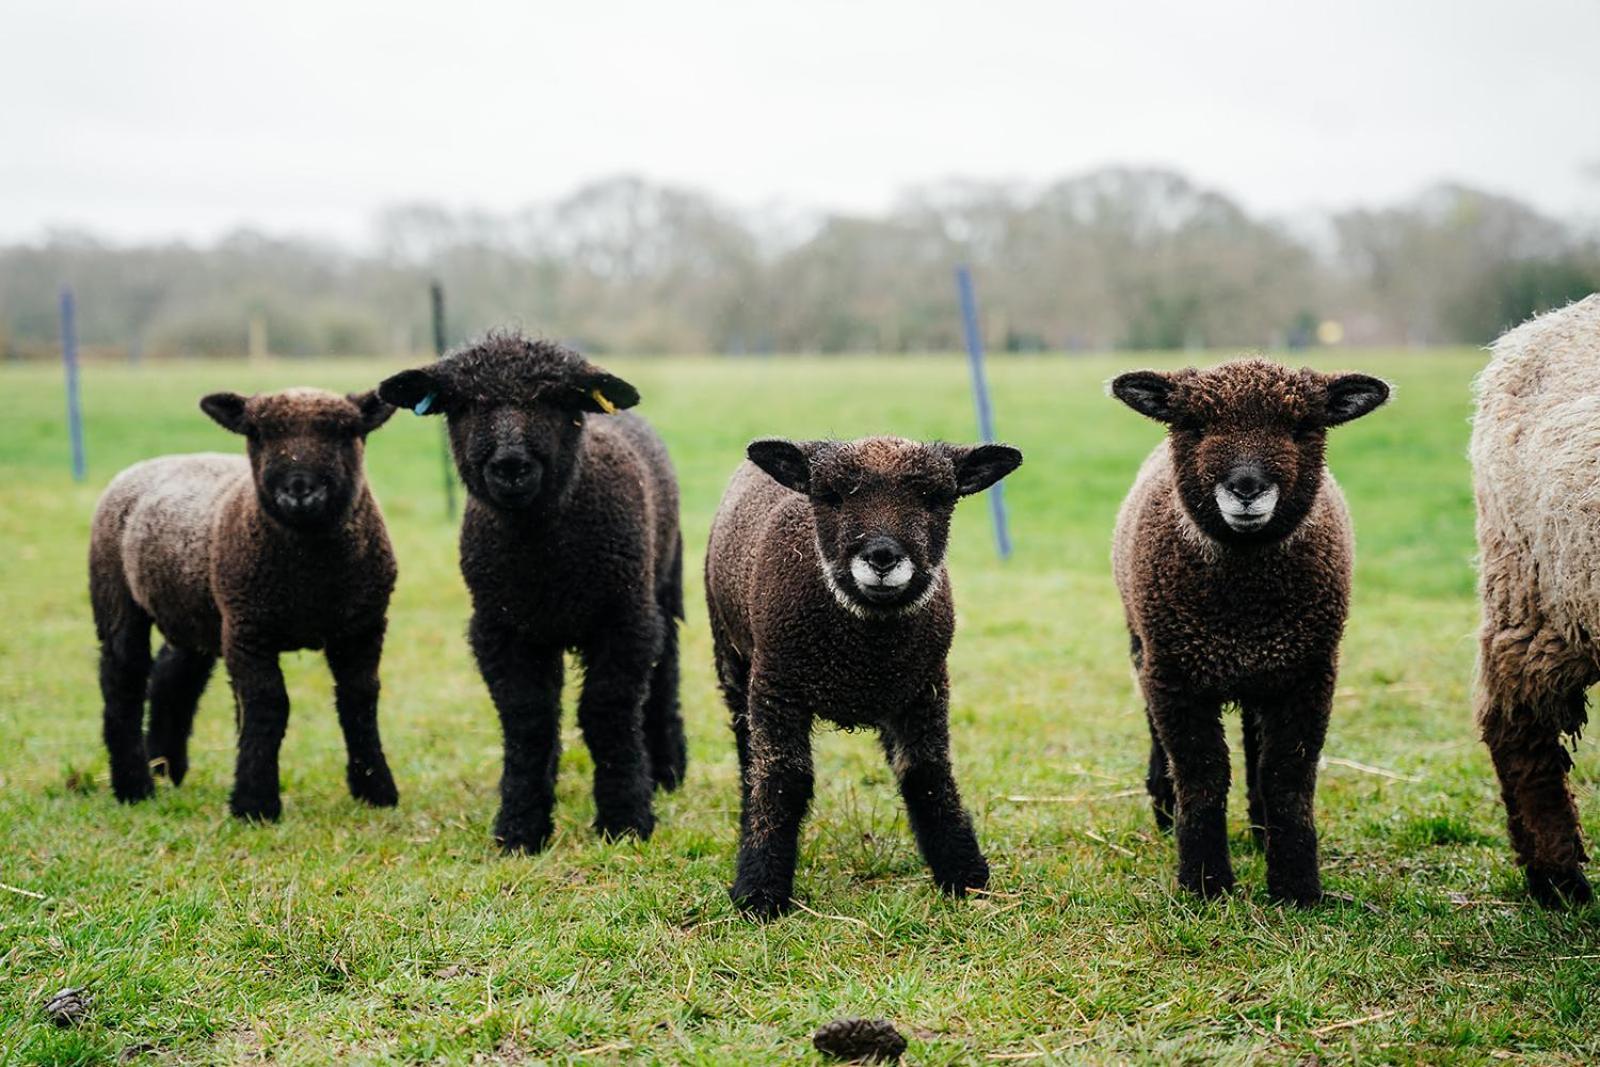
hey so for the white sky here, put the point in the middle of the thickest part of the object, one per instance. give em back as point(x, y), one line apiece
point(154, 119)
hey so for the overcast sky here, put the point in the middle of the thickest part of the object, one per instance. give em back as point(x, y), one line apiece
point(157, 119)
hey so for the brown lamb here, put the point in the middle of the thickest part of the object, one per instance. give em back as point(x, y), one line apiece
point(1232, 553)
point(826, 584)
point(245, 557)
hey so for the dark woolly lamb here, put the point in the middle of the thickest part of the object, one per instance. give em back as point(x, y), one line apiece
point(1232, 554)
point(245, 558)
point(570, 541)
point(826, 583)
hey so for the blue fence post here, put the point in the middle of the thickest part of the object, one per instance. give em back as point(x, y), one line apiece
point(69, 360)
point(980, 394)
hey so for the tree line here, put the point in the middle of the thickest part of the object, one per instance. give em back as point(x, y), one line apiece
point(1113, 259)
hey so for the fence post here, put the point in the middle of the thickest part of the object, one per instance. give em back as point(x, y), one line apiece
point(980, 395)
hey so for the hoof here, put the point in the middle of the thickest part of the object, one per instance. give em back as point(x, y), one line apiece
point(1300, 896)
point(1561, 888)
point(760, 903)
point(255, 808)
point(524, 838)
point(132, 788)
point(975, 876)
point(1207, 885)
point(375, 787)
point(640, 826)
point(668, 775)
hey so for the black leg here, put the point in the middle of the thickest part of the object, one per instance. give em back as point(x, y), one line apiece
point(616, 680)
point(780, 788)
point(525, 684)
point(733, 679)
point(263, 711)
point(177, 681)
point(1190, 729)
point(1292, 729)
point(1158, 780)
point(663, 721)
point(354, 663)
point(918, 748)
point(124, 672)
point(1252, 763)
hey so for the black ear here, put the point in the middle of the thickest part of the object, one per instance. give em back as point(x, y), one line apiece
point(980, 466)
point(603, 393)
point(785, 461)
point(421, 389)
point(1146, 391)
point(375, 411)
point(227, 410)
point(1351, 396)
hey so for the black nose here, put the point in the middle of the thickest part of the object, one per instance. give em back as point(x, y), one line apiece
point(1247, 483)
point(883, 553)
point(302, 489)
point(511, 468)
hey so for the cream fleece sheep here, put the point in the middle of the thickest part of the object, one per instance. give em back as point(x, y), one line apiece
point(1536, 474)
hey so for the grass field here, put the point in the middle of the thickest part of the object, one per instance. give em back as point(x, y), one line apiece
point(353, 935)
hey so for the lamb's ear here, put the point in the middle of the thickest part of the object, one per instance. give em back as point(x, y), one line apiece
point(422, 389)
point(980, 466)
point(1146, 391)
point(603, 393)
point(375, 411)
point(227, 411)
point(787, 463)
point(1351, 396)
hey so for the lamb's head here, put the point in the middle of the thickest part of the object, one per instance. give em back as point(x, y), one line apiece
point(516, 410)
point(1247, 439)
point(305, 448)
point(882, 506)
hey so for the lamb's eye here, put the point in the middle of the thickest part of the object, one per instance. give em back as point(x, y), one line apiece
point(830, 498)
point(938, 497)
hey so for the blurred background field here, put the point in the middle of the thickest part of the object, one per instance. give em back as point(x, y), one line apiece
point(344, 933)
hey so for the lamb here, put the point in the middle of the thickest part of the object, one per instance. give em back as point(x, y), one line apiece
point(245, 557)
point(1232, 554)
point(828, 595)
point(570, 541)
point(1534, 443)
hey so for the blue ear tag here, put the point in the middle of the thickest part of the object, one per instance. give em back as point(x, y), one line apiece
point(425, 405)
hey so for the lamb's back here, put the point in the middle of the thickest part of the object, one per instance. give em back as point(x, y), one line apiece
point(157, 521)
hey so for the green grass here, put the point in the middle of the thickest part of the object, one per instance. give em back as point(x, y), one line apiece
point(354, 935)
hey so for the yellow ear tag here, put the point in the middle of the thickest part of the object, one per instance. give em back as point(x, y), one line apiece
point(600, 398)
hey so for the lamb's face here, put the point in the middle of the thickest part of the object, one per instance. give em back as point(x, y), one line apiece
point(516, 411)
point(881, 508)
point(1247, 439)
point(305, 448)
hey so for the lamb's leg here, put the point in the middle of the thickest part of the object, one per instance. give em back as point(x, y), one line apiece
point(733, 678)
point(1158, 781)
point(663, 721)
point(1292, 728)
point(616, 681)
point(177, 681)
point(124, 631)
point(1532, 763)
point(1252, 775)
point(263, 710)
point(918, 748)
point(1190, 729)
point(354, 662)
point(525, 684)
point(779, 768)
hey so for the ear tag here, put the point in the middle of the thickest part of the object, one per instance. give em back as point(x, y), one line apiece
point(600, 398)
point(425, 405)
